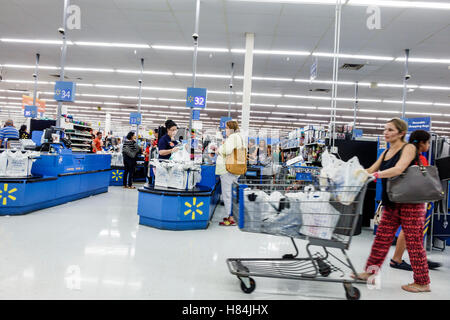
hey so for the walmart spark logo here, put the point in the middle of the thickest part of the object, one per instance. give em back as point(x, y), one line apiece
point(194, 208)
point(5, 194)
point(191, 99)
point(117, 175)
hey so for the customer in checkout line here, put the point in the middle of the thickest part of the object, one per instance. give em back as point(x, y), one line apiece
point(252, 152)
point(393, 162)
point(8, 132)
point(167, 144)
point(130, 152)
point(263, 153)
point(97, 144)
point(421, 139)
point(233, 141)
point(23, 134)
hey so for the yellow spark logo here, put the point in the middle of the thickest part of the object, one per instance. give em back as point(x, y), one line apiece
point(194, 208)
point(117, 175)
point(5, 194)
point(58, 92)
point(190, 98)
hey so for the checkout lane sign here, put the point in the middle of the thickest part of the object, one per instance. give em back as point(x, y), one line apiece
point(65, 91)
point(196, 98)
point(135, 118)
point(30, 111)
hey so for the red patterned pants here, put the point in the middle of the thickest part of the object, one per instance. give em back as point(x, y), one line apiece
point(411, 217)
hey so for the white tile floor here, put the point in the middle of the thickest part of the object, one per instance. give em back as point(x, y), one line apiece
point(94, 248)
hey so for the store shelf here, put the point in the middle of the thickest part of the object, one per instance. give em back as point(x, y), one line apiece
point(81, 145)
point(78, 134)
point(82, 126)
point(315, 144)
point(79, 139)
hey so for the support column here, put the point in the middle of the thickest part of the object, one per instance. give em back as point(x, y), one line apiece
point(247, 90)
point(108, 123)
point(405, 83)
point(62, 31)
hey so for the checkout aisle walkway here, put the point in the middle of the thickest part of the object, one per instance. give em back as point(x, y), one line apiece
point(94, 249)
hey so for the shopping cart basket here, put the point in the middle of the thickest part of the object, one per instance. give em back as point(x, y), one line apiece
point(302, 210)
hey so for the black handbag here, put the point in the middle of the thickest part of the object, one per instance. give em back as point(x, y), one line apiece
point(417, 184)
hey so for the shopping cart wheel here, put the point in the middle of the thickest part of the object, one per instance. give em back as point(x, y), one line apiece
point(250, 282)
point(351, 292)
point(324, 268)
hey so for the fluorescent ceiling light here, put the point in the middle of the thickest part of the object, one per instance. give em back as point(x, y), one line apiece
point(306, 97)
point(163, 73)
point(220, 76)
point(272, 79)
point(97, 95)
point(58, 42)
point(296, 107)
point(292, 1)
point(275, 52)
point(424, 60)
point(183, 48)
point(88, 69)
point(21, 66)
point(401, 4)
point(282, 52)
point(434, 88)
point(353, 56)
point(111, 44)
point(378, 111)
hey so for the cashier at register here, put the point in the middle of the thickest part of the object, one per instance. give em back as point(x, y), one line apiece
point(167, 144)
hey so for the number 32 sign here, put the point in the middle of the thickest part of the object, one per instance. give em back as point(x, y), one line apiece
point(196, 98)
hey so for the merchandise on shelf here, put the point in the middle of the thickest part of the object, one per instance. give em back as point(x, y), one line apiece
point(78, 134)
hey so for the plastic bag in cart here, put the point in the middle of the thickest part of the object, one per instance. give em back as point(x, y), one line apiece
point(257, 208)
point(347, 178)
point(288, 218)
point(319, 217)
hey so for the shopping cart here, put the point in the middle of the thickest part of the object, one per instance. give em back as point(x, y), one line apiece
point(297, 172)
point(322, 219)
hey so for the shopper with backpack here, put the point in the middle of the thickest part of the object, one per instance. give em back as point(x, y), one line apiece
point(130, 152)
point(231, 163)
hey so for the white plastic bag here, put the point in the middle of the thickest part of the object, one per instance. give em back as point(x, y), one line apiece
point(3, 163)
point(177, 177)
point(161, 174)
point(319, 217)
point(17, 165)
point(347, 178)
point(182, 155)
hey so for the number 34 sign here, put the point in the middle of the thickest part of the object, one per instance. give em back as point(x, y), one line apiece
point(65, 91)
point(196, 98)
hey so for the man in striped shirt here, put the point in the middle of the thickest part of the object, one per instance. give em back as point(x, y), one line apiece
point(8, 132)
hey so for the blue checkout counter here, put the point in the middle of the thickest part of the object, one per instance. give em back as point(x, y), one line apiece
point(172, 209)
point(57, 179)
